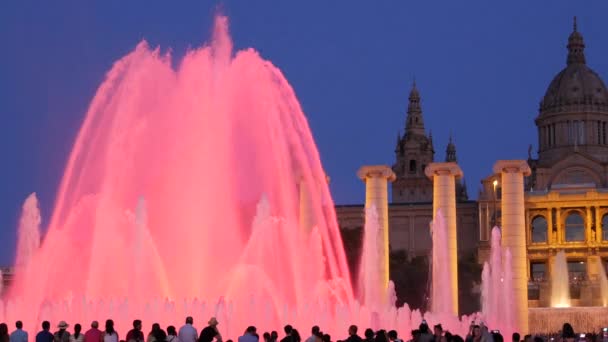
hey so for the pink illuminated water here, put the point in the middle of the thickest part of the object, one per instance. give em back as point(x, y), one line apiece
point(159, 198)
point(497, 287)
point(198, 191)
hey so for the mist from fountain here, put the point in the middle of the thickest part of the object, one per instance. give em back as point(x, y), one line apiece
point(560, 282)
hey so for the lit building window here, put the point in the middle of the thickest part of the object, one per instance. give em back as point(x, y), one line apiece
point(537, 270)
point(577, 270)
point(575, 227)
point(539, 230)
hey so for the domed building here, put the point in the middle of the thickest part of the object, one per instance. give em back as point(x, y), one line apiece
point(566, 198)
point(572, 117)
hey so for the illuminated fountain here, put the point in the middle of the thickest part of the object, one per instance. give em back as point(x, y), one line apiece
point(182, 196)
point(203, 144)
point(560, 282)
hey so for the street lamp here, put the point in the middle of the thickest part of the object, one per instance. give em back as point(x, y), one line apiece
point(494, 183)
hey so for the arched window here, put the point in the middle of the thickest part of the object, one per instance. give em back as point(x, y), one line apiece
point(575, 227)
point(605, 228)
point(539, 229)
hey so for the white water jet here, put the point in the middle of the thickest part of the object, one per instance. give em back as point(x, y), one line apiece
point(496, 277)
point(508, 293)
point(372, 293)
point(485, 289)
point(603, 280)
point(560, 282)
point(441, 296)
point(28, 235)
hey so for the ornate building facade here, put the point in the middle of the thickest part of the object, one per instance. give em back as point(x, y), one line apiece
point(566, 195)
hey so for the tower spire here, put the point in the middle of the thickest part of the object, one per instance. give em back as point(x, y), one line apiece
point(450, 151)
point(576, 46)
point(414, 124)
point(398, 145)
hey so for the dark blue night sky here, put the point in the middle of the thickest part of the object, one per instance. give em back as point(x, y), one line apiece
point(481, 67)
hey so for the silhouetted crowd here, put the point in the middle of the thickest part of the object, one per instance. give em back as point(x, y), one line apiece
point(211, 333)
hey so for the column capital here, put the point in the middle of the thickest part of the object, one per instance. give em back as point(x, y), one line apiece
point(512, 166)
point(443, 169)
point(376, 171)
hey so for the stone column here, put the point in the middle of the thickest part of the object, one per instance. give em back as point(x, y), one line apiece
point(376, 178)
point(514, 232)
point(444, 197)
point(598, 224)
point(558, 226)
point(588, 225)
point(528, 225)
point(550, 238)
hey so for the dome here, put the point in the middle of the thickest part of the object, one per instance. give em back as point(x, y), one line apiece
point(577, 88)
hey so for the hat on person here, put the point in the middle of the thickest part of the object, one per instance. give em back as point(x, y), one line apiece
point(213, 321)
point(62, 325)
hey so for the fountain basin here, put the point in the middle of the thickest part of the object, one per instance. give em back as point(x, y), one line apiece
point(584, 319)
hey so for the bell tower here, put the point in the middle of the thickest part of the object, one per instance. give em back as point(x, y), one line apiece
point(414, 151)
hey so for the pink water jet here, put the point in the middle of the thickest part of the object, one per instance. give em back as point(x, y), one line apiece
point(159, 197)
point(497, 287)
